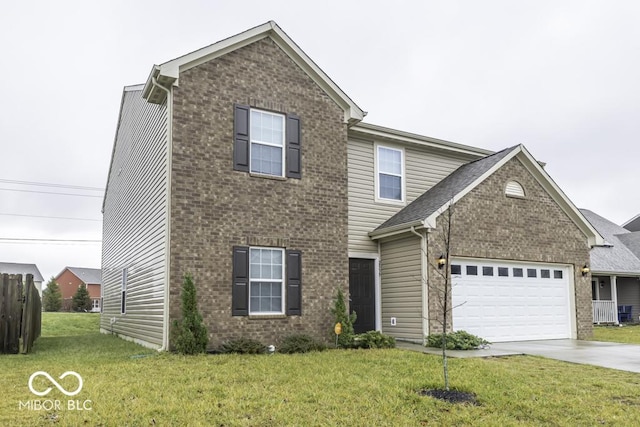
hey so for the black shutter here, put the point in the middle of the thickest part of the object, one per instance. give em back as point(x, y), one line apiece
point(294, 155)
point(294, 283)
point(241, 138)
point(240, 287)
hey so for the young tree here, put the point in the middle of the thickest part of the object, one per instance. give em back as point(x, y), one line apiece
point(81, 300)
point(346, 320)
point(189, 335)
point(51, 296)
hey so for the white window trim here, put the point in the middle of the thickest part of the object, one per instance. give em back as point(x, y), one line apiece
point(281, 281)
point(269, 144)
point(403, 179)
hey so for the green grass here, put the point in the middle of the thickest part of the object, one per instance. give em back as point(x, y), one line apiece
point(130, 385)
point(629, 334)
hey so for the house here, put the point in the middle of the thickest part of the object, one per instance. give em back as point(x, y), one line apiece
point(71, 278)
point(245, 165)
point(615, 272)
point(24, 269)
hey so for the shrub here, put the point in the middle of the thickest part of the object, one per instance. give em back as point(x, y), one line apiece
point(341, 315)
point(374, 339)
point(243, 346)
point(189, 335)
point(459, 340)
point(300, 343)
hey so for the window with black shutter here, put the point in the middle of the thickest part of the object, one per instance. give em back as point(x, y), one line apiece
point(266, 281)
point(267, 143)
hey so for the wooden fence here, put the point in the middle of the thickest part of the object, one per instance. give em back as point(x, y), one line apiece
point(20, 313)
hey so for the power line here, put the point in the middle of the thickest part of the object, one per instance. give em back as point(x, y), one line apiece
point(50, 192)
point(50, 184)
point(51, 217)
point(19, 240)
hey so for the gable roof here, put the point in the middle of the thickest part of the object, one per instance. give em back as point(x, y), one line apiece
point(168, 73)
point(18, 268)
point(90, 276)
point(633, 224)
point(423, 211)
point(615, 257)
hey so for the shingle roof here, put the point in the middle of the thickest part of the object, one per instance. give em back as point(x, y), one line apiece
point(616, 257)
point(633, 224)
point(438, 195)
point(90, 276)
point(17, 268)
point(631, 241)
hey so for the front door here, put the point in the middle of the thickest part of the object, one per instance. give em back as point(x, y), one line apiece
point(362, 294)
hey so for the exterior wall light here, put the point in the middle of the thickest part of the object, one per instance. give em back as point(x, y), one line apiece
point(585, 270)
point(441, 261)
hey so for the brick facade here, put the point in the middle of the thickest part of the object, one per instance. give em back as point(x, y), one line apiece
point(69, 284)
point(488, 224)
point(214, 208)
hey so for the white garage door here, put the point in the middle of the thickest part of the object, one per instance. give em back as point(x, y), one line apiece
point(506, 301)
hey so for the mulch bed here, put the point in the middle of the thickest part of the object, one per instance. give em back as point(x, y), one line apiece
point(451, 396)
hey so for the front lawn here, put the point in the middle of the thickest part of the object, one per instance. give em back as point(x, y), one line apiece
point(629, 334)
point(129, 385)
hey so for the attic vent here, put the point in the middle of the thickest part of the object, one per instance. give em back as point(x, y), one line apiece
point(514, 189)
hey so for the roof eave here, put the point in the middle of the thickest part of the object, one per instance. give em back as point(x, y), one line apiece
point(396, 229)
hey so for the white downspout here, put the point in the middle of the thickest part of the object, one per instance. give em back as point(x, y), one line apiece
point(167, 238)
point(614, 296)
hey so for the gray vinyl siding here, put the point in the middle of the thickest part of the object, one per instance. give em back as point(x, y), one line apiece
point(629, 294)
point(135, 221)
point(401, 278)
point(424, 167)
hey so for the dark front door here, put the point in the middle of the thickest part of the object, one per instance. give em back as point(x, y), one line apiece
point(362, 294)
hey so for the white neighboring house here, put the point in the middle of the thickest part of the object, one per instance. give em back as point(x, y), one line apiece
point(24, 269)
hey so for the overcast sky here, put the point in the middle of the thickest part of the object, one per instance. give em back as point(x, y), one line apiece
point(561, 77)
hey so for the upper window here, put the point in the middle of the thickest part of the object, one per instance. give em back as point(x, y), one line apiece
point(267, 143)
point(514, 189)
point(266, 284)
point(390, 175)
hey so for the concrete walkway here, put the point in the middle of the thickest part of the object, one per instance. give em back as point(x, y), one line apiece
point(624, 357)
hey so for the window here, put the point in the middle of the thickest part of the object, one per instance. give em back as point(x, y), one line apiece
point(456, 269)
point(503, 272)
point(266, 143)
point(557, 274)
point(266, 281)
point(390, 174)
point(517, 272)
point(123, 293)
point(472, 270)
point(487, 271)
point(96, 305)
point(545, 274)
point(532, 272)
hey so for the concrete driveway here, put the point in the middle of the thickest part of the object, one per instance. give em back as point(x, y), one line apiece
point(624, 357)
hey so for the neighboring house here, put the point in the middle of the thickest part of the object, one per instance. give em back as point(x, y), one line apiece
point(245, 165)
point(71, 278)
point(615, 272)
point(24, 269)
point(633, 224)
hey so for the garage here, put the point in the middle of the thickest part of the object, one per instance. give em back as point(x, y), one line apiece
point(507, 301)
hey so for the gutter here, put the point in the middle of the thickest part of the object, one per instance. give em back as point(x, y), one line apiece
point(167, 239)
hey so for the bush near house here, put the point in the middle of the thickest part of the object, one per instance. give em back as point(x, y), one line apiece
point(243, 346)
point(51, 296)
point(374, 339)
point(189, 335)
point(459, 340)
point(81, 300)
point(300, 343)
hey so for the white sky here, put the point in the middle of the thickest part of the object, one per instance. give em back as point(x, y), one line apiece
point(561, 77)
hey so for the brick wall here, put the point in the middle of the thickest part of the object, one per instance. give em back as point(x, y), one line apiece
point(487, 224)
point(214, 207)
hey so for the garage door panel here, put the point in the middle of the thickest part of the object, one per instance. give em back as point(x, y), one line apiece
point(505, 307)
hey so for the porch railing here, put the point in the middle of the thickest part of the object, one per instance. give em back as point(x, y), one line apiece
point(604, 312)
